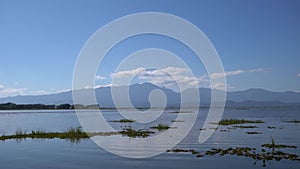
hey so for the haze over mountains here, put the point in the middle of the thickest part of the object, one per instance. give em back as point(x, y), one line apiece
point(139, 93)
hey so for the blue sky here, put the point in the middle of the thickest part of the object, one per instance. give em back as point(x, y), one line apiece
point(257, 41)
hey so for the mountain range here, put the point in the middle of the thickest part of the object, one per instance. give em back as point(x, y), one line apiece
point(139, 93)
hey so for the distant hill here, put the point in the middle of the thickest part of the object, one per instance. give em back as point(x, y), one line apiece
point(139, 93)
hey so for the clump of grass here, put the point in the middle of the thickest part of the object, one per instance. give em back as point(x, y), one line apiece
point(20, 132)
point(123, 121)
point(75, 134)
point(176, 121)
point(183, 151)
point(161, 127)
point(71, 133)
point(292, 121)
point(237, 121)
point(176, 112)
point(224, 130)
point(273, 145)
point(245, 127)
point(245, 152)
point(128, 131)
point(253, 132)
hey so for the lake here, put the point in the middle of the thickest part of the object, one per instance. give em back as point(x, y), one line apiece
point(57, 153)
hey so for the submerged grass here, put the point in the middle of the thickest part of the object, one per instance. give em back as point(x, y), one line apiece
point(237, 121)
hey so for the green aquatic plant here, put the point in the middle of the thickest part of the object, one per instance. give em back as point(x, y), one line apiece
point(245, 127)
point(273, 143)
point(128, 131)
point(20, 132)
point(71, 134)
point(176, 121)
point(123, 121)
point(176, 112)
point(237, 121)
point(75, 134)
point(253, 132)
point(274, 146)
point(263, 155)
point(292, 121)
point(161, 127)
point(183, 151)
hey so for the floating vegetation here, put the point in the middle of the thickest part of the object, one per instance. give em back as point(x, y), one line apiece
point(258, 155)
point(245, 127)
point(249, 152)
point(253, 132)
point(176, 112)
point(237, 121)
point(176, 121)
point(224, 130)
point(241, 108)
point(273, 146)
point(123, 121)
point(161, 127)
point(128, 131)
point(183, 151)
point(20, 132)
point(271, 127)
point(75, 134)
point(292, 121)
point(72, 133)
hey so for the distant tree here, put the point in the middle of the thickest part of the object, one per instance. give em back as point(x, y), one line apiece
point(7, 106)
point(63, 106)
point(77, 106)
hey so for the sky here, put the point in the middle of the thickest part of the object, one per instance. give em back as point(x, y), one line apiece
point(258, 43)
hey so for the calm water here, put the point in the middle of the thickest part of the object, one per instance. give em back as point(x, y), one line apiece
point(56, 153)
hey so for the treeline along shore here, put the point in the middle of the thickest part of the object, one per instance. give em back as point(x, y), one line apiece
point(13, 106)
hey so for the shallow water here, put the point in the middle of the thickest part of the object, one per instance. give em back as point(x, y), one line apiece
point(56, 153)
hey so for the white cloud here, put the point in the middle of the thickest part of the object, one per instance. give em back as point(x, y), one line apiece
point(127, 73)
point(298, 74)
point(99, 77)
point(107, 85)
point(38, 92)
point(176, 76)
point(221, 86)
point(165, 71)
point(8, 91)
point(165, 77)
point(5, 92)
point(234, 72)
